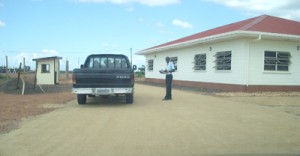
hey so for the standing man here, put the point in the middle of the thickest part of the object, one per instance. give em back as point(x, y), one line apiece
point(169, 77)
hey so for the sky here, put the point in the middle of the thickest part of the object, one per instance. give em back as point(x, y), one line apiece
point(74, 29)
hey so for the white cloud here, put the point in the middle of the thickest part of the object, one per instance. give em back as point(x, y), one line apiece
point(166, 32)
point(182, 24)
point(2, 24)
point(150, 3)
point(109, 45)
point(158, 2)
point(49, 52)
point(287, 9)
point(27, 56)
point(160, 25)
point(130, 9)
point(45, 53)
point(141, 20)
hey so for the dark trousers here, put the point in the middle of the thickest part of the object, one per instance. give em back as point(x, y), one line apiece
point(169, 79)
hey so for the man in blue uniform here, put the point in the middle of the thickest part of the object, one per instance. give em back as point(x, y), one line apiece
point(169, 77)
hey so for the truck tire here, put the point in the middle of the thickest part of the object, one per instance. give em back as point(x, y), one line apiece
point(81, 99)
point(129, 98)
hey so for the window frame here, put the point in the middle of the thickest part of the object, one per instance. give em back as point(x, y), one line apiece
point(272, 61)
point(45, 68)
point(150, 64)
point(223, 60)
point(107, 62)
point(202, 58)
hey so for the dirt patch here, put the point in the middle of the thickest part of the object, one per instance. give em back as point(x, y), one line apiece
point(190, 124)
point(14, 106)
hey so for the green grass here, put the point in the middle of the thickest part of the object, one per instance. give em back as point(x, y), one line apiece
point(139, 75)
point(3, 78)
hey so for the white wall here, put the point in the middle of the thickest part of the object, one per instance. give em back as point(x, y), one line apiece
point(45, 78)
point(57, 69)
point(257, 75)
point(239, 63)
point(48, 78)
point(186, 57)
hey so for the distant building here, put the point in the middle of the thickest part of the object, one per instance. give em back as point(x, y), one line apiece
point(257, 54)
point(47, 70)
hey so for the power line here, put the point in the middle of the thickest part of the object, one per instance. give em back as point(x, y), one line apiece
point(70, 51)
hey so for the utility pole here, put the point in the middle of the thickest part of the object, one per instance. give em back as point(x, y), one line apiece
point(67, 69)
point(19, 72)
point(6, 58)
point(24, 66)
point(131, 56)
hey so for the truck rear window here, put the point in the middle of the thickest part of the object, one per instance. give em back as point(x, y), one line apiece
point(107, 62)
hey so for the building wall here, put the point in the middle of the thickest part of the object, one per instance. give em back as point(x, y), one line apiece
point(48, 78)
point(257, 75)
point(57, 70)
point(247, 55)
point(185, 71)
point(45, 78)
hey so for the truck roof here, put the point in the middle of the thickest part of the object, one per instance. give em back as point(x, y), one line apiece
point(107, 55)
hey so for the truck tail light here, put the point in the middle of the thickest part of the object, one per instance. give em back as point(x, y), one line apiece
point(132, 79)
point(74, 79)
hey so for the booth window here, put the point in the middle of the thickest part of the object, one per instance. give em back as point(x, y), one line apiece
point(45, 68)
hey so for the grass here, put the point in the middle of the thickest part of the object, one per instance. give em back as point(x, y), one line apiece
point(3, 78)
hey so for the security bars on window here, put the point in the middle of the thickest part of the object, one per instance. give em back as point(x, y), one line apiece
point(150, 65)
point(277, 61)
point(200, 62)
point(223, 60)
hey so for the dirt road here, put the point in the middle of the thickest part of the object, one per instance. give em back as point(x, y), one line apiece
point(190, 124)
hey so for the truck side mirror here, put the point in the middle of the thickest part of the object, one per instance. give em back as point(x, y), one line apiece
point(81, 66)
point(134, 67)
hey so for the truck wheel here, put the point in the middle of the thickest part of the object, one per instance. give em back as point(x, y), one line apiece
point(81, 99)
point(129, 98)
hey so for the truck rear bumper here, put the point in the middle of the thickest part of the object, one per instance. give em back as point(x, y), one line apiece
point(102, 91)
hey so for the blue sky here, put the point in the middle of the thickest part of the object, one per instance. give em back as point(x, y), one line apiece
point(73, 29)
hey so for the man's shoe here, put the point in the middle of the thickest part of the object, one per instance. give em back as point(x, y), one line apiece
point(166, 99)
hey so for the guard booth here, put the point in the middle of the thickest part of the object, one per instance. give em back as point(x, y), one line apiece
point(47, 70)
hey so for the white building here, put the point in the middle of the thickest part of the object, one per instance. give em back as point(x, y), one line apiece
point(257, 54)
point(47, 70)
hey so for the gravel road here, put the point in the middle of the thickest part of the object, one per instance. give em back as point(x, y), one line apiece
point(190, 124)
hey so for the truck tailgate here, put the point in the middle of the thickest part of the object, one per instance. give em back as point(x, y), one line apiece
point(94, 78)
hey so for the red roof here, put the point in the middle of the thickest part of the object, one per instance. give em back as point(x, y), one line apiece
point(264, 23)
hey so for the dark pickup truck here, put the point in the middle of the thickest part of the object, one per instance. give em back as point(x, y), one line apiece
point(104, 75)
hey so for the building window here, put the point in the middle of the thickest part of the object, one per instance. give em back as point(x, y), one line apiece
point(174, 60)
point(45, 68)
point(223, 60)
point(277, 61)
point(150, 65)
point(200, 62)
